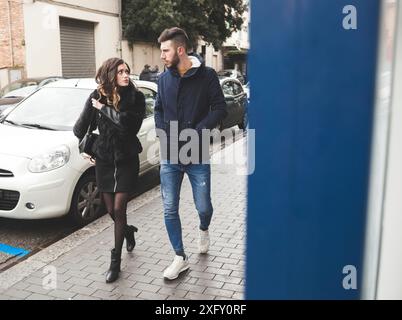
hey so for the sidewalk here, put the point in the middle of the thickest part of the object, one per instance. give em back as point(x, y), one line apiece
point(75, 267)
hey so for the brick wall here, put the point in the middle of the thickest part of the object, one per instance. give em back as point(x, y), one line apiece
point(17, 32)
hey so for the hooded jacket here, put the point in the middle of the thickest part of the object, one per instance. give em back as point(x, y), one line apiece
point(195, 101)
point(118, 130)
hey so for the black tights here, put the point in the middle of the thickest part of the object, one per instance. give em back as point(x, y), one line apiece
point(116, 205)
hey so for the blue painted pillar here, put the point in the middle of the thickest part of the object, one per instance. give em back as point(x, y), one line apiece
point(312, 99)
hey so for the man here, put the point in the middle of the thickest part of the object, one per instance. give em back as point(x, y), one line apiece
point(146, 73)
point(189, 97)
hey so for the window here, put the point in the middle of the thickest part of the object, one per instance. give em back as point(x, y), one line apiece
point(227, 88)
point(237, 88)
point(150, 97)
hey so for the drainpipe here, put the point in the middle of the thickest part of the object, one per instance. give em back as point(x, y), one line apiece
point(10, 33)
point(120, 30)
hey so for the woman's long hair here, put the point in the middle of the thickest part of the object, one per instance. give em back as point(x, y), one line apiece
point(106, 78)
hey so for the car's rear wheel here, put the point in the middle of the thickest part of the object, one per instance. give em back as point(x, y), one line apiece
point(86, 204)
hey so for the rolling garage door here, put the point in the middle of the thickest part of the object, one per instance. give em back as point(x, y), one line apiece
point(77, 48)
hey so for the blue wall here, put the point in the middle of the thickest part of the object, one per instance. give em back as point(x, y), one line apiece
point(312, 96)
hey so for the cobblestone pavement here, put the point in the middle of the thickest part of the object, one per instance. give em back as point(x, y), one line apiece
point(79, 272)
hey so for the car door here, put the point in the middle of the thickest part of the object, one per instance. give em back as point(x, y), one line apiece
point(147, 128)
point(240, 102)
point(227, 88)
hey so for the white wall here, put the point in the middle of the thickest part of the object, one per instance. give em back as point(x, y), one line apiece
point(42, 33)
point(382, 278)
point(101, 5)
point(390, 267)
point(140, 54)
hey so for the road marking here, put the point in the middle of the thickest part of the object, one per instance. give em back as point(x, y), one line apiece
point(12, 251)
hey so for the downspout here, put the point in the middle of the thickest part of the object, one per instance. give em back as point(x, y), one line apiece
point(120, 30)
point(10, 33)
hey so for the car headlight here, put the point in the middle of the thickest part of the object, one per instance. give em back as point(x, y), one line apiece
point(50, 160)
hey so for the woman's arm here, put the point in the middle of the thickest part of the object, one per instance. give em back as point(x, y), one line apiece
point(129, 120)
point(84, 120)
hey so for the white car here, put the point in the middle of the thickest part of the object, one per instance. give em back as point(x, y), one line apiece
point(42, 174)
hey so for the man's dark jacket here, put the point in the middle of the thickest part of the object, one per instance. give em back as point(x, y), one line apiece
point(195, 101)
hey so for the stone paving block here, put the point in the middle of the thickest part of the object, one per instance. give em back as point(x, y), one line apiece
point(191, 287)
point(234, 287)
point(37, 296)
point(140, 278)
point(16, 293)
point(210, 283)
point(228, 279)
point(202, 275)
point(97, 277)
point(219, 292)
point(238, 296)
point(62, 294)
point(146, 287)
point(82, 290)
point(130, 292)
point(79, 281)
point(198, 296)
point(106, 295)
point(152, 296)
point(234, 267)
point(33, 280)
point(92, 270)
point(172, 292)
point(77, 273)
point(21, 285)
point(83, 297)
point(220, 271)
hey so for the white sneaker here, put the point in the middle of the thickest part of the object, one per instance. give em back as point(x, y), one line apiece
point(203, 241)
point(178, 265)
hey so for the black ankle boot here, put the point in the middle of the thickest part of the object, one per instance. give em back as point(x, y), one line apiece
point(130, 239)
point(113, 272)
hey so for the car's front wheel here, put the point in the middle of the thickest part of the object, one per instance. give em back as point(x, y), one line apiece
point(86, 204)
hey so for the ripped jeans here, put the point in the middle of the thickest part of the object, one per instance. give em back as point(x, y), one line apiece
point(171, 180)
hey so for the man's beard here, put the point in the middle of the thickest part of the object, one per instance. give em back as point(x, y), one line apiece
point(175, 61)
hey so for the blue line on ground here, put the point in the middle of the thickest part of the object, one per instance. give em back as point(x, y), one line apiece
point(12, 250)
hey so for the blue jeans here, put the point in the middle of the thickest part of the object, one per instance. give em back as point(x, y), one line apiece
point(171, 180)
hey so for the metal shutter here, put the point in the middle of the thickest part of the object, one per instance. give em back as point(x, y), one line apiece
point(77, 48)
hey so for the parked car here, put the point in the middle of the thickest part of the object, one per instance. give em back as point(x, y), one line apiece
point(236, 101)
point(246, 89)
point(231, 73)
point(33, 83)
point(42, 174)
point(20, 89)
point(6, 103)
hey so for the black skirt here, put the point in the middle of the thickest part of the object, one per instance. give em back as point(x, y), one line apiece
point(120, 176)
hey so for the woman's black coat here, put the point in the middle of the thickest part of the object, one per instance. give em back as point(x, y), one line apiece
point(118, 139)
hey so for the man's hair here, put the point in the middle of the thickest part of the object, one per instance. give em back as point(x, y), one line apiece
point(177, 35)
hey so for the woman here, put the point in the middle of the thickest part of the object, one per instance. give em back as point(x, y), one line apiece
point(117, 108)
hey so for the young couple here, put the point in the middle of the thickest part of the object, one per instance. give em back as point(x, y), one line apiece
point(188, 93)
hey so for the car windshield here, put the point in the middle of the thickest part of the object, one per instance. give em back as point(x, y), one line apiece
point(22, 92)
point(57, 108)
point(18, 85)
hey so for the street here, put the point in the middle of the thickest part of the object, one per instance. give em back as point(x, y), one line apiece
point(20, 239)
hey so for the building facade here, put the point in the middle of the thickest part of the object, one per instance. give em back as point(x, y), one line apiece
point(68, 38)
